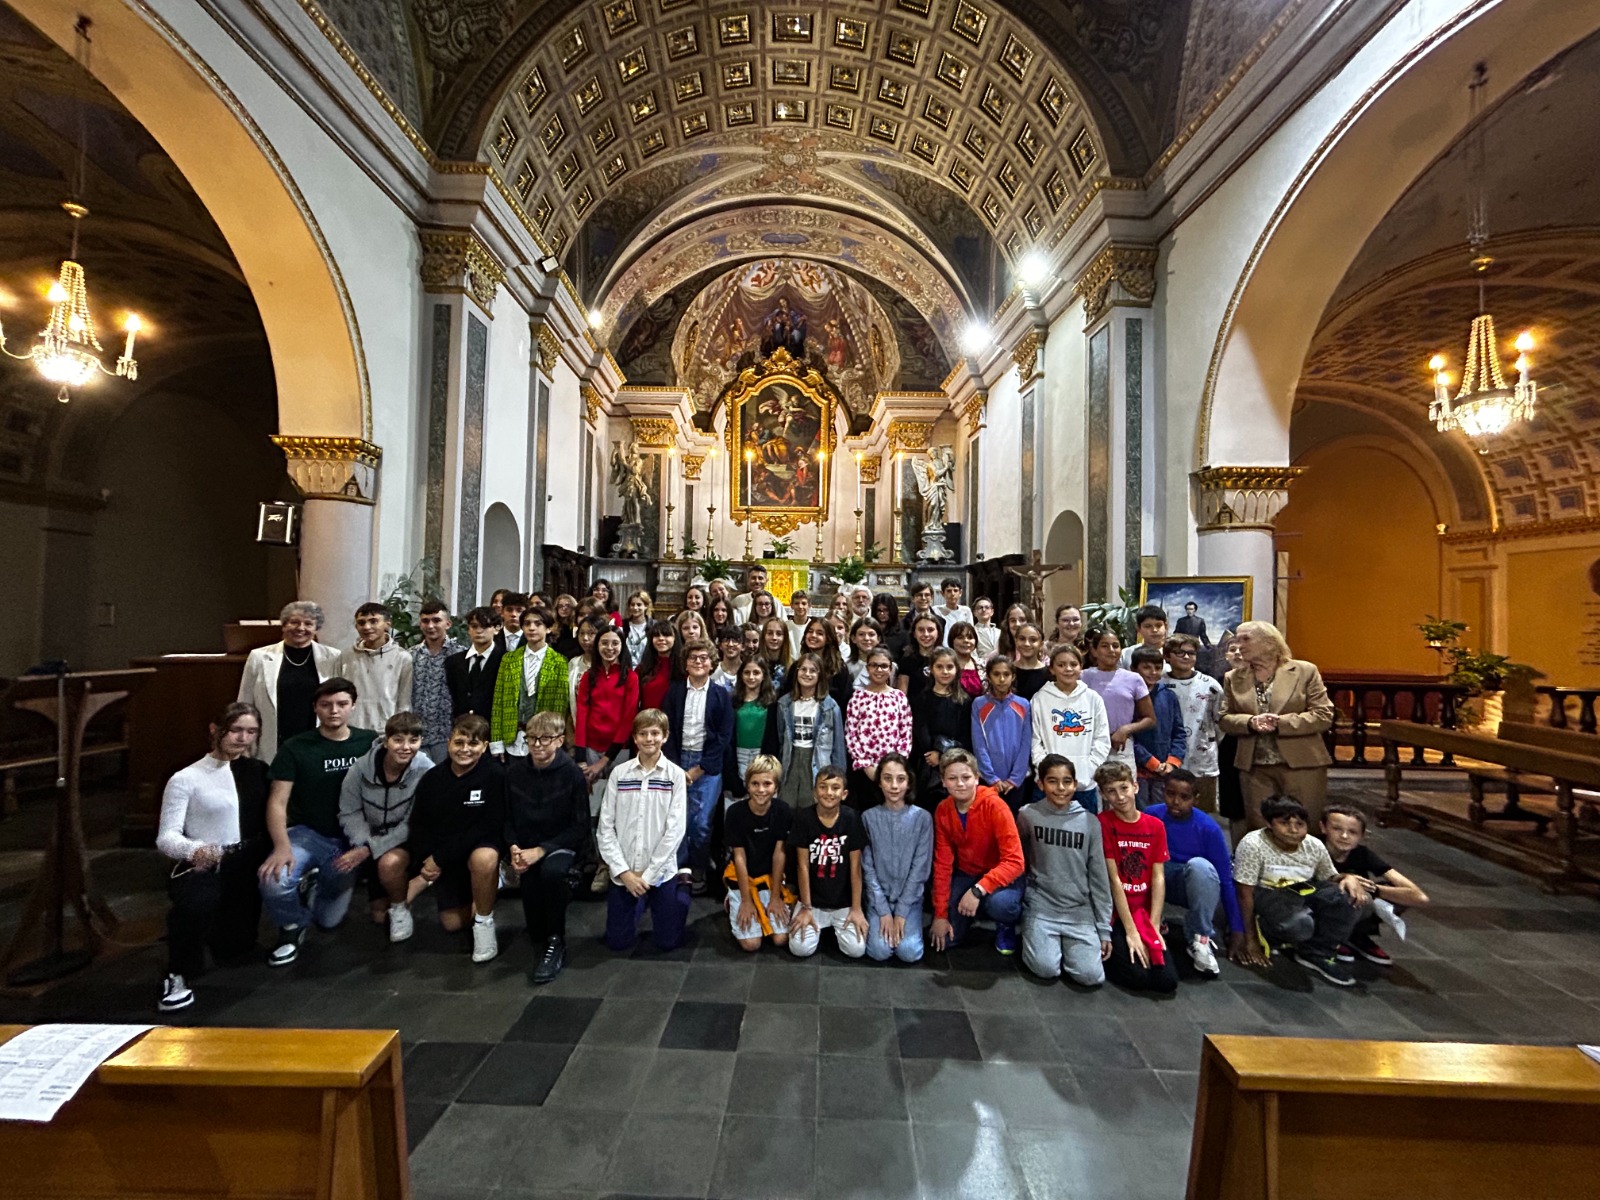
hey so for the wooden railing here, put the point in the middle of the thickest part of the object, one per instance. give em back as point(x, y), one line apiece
point(1570, 708)
point(1362, 701)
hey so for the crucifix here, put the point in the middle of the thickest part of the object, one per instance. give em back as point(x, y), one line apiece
point(1036, 572)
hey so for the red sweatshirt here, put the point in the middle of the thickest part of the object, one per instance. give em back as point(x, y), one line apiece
point(653, 691)
point(606, 708)
point(987, 846)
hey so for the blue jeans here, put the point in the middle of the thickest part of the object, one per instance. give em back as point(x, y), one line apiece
point(1003, 907)
point(281, 894)
point(695, 849)
point(1194, 887)
point(910, 948)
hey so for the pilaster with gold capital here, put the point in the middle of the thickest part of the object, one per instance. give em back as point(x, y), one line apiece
point(458, 262)
point(1241, 498)
point(332, 468)
point(1120, 275)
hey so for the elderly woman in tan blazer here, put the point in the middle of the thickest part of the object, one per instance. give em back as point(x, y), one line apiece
point(1278, 708)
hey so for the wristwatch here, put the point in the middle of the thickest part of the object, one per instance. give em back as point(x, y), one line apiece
point(978, 891)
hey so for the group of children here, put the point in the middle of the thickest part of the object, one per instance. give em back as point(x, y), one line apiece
point(1056, 794)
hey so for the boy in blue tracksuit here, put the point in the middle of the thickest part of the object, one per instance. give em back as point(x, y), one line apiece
point(1199, 872)
point(1159, 749)
point(1002, 735)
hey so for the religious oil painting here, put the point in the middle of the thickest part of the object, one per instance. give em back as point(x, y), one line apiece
point(1220, 603)
point(781, 436)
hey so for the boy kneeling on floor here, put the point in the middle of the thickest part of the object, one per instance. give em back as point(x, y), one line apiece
point(1290, 892)
point(642, 819)
point(1344, 830)
point(756, 830)
point(827, 840)
point(1066, 905)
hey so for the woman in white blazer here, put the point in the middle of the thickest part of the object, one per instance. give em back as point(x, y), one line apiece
point(288, 671)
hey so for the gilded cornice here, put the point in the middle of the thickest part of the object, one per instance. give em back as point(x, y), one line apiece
point(972, 411)
point(458, 262)
point(1026, 356)
point(1522, 530)
point(1242, 497)
point(654, 431)
point(591, 403)
point(1118, 275)
point(332, 468)
point(909, 435)
point(692, 464)
point(871, 468)
point(546, 345)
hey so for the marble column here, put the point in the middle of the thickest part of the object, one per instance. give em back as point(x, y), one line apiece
point(1237, 508)
point(337, 478)
point(462, 277)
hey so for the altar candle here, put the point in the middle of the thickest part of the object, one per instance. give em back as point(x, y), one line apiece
point(859, 492)
point(899, 478)
point(133, 326)
point(749, 466)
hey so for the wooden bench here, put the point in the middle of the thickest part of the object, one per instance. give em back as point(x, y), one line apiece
point(1569, 773)
point(1516, 783)
point(224, 1113)
point(1319, 1119)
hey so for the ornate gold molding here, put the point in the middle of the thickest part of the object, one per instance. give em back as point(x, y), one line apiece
point(1026, 356)
point(546, 345)
point(1242, 497)
point(1525, 529)
point(591, 402)
point(956, 371)
point(1119, 275)
point(871, 468)
point(778, 523)
point(457, 262)
point(654, 431)
point(692, 464)
point(331, 468)
point(973, 410)
point(909, 435)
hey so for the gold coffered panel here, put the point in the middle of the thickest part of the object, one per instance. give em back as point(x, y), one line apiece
point(983, 108)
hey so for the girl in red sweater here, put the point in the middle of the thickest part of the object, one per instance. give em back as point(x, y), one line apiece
point(655, 665)
point(607, 700)
point(977, 858)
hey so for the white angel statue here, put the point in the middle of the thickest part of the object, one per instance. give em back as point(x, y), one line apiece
point(936, 480)
point(627, 476)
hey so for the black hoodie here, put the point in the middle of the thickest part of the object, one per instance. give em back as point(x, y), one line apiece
point(546, 806)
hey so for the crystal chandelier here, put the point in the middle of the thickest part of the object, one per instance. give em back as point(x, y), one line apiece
point(67, 351)
point(1484, 405)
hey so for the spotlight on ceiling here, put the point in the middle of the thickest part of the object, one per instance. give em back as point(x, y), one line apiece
point(1034, 270)
point(596, 318)
point(975, 339)
point(549, 264)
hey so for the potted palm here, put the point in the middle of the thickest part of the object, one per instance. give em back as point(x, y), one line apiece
point(1487, 678)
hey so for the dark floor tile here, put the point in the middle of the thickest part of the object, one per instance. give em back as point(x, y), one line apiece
point(664, 1155)
point(561, 1150)
point(859, 1031)
point(780, 1028)
point(516, 1073)
point(864, 1088)
point(601, 1078)
point(702, 1025)
point(1166, 1044)
point(993, 992)
point(765, 1158)
point(868, 986)
point(940, 1092)
point(687, 1081)
point(924, 989)
point(556, 1020)
point(1128, 1101)
point(649, 980)
point(625, 1022)
point(421, 1116)
point(865, 1160)
point(728, 983)
point(439, 1070)
point(1183, 1087)
point(776, 1085)
point(966, 1162)
point(468, 1147)
point(1098, 1041)
point(791, 982)
point(935, 1033)
point(1005, 1038)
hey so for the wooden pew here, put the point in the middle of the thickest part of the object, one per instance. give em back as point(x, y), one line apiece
point(1316, 1119)
point(1516, 783)
point(1567, 771)
point(278, 1113)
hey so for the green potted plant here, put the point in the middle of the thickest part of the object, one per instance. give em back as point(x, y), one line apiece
point(714, 566)
point(689, 548)
point(782, 547)
point(1487, 678)
point(852, 569)
point(1439, 633)
point(1118, 616)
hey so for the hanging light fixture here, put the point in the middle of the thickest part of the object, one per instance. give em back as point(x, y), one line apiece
point(67, 351)
point(1484, 405)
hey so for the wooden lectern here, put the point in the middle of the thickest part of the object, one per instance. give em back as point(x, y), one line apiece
point(1320, 1119)
point(70, 702)
point(289, 1113)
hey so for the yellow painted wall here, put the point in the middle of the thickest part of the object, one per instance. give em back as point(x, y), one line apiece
point(1360, 532)
point(1553, 612)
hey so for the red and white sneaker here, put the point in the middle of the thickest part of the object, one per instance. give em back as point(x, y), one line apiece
point(1371, 951)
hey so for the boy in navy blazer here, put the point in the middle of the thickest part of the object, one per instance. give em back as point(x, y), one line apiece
point(699, 731)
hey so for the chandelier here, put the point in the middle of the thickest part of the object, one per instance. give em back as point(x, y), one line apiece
point(1484, 406)
point(67, 352)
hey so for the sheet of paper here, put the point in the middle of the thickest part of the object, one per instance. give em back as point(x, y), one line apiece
point(1592, 1051)
point(43, 1067)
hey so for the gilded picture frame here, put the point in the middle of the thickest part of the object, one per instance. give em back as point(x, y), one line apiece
point(1221, 601)
point(781, 437)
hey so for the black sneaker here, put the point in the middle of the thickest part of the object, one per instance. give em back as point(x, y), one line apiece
point(551, 960)
point(288, 947)
point(1371, 951)
point(1331, 969)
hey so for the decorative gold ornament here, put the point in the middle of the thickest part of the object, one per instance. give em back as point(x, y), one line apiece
point(692, 464)
point(909, 435)
point(973, 410)
point(457, 262)
point(1026, 356)
point(332, 468)
point(654, 431)
point(1119, 275)
point(546, 345)
point(591, 403)
point(871, 468)
point(1242, 497)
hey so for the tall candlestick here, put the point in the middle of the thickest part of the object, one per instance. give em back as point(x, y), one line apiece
point(899, 483)
point(668, 553)
point(711, 507)
point(822, 468)
point(749, 508)
point(859, 486)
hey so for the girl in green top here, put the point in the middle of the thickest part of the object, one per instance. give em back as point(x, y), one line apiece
point(753, 699)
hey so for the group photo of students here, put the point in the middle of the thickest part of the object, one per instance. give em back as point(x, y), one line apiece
point(905, 782)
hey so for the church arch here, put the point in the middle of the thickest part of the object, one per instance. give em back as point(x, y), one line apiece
point(208, 132)
point(1063, 544)
point(1412, 109)
point(502, 548)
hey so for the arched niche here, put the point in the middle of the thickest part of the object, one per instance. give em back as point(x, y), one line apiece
point(502, 549)
point(1063, 544)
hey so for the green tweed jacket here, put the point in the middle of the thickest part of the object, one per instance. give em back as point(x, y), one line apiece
point(549, 693)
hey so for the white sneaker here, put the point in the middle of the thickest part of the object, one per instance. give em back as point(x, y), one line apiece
point(1203, 957)
point(401, 926)
point(175, 994)
point(485, 944)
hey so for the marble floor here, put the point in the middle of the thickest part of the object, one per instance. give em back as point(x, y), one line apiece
point(708, 1072)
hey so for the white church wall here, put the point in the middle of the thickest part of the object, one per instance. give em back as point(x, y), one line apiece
point(999, 511)
point(563, 482)
point(507, 450)
point(1064, 468)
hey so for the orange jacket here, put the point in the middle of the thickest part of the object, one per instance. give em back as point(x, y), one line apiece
point(988, 846)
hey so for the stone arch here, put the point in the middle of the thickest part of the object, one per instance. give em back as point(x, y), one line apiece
point(1063, 544)
point(211, 137)
point(502, 548)
point(1410, 107)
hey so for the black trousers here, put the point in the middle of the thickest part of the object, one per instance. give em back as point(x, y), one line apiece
point(545, 894)
point(218, 909)
point(1122, 970)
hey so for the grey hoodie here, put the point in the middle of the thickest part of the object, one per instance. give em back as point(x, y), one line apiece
point(898, 860)
point(1067, 879)
point(374, 813)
